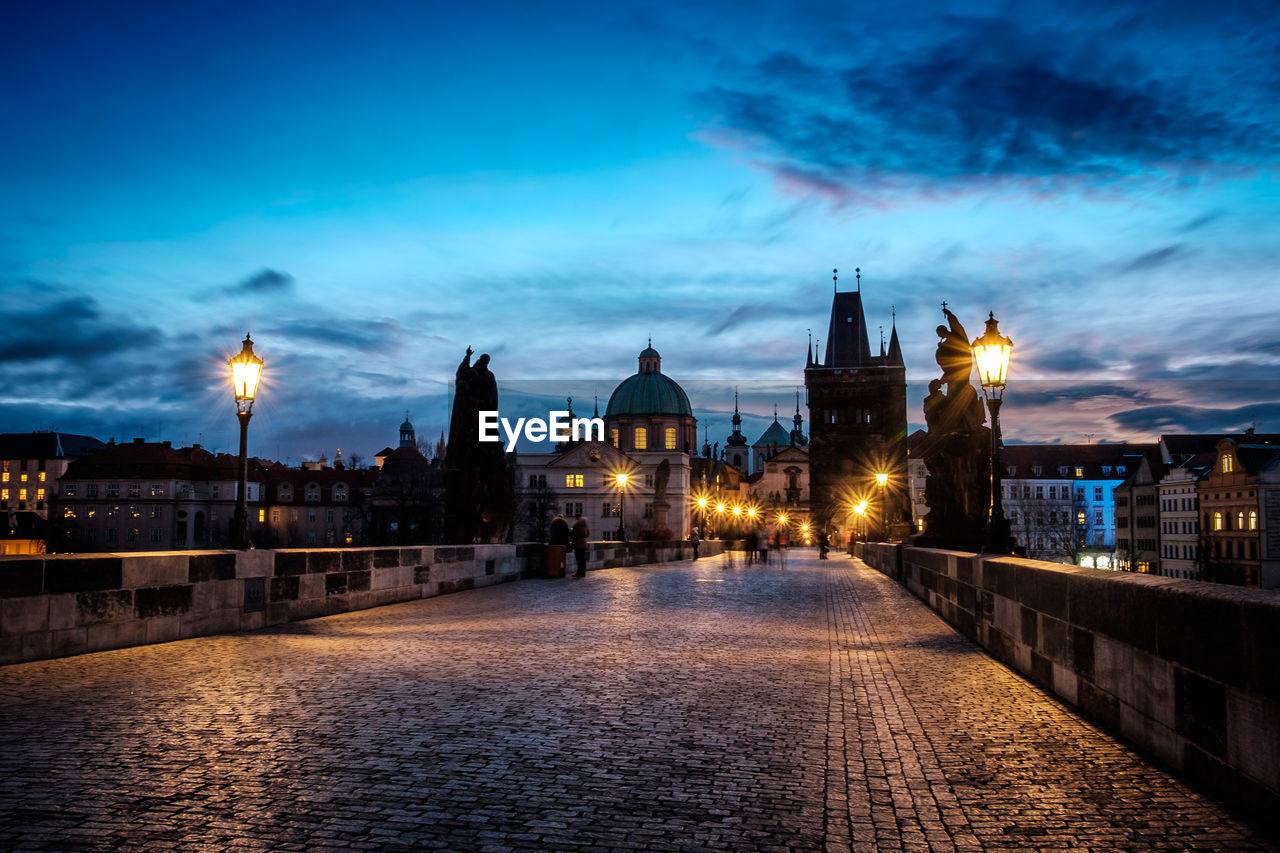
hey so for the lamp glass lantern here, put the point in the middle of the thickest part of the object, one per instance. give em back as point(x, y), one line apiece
point(246, 370)
point(991, 354)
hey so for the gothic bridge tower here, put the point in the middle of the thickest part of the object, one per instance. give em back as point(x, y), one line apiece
point(858, 420)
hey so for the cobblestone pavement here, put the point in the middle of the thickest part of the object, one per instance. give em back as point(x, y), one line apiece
point(694, 706)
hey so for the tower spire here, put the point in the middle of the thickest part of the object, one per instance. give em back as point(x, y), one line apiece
point(835, 283)
point(858, 271)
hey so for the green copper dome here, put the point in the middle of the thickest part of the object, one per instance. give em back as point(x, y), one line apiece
point(649, 394)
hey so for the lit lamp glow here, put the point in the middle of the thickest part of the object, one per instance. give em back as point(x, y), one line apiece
point(991, 354)
point(621, 480)
point(882, 480)
point(246, 371)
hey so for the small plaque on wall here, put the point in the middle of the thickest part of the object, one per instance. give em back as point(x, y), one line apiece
point(255, 594)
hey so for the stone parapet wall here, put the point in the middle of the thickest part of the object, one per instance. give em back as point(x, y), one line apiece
point(51, 606)
point(1190, 671)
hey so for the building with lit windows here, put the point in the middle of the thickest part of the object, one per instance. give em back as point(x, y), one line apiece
point(31, 464)
point(1059, 499)
point(1239, 504)
point(651, 434)
point(152, 496)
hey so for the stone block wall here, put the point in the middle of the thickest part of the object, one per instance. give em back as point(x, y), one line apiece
point(51, 606)
point(1190, 671)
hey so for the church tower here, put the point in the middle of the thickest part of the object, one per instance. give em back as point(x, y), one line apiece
point(857, 419)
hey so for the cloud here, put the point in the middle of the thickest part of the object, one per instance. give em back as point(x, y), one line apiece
point(1152, 260)
point(1181, 418)
point(982, 99)
point(263, 281)
point(70, 328)
point(361, 335)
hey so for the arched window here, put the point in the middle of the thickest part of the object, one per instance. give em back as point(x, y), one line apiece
point(1240, 520)
point(1217, 520)
point(613, 436)
point(1228, 463)
point(671, 438)
point(642, 439)
point(339, 492)
point(1253, 519)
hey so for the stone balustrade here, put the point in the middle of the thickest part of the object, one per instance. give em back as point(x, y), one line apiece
point(1190, 671)
point(59, 605)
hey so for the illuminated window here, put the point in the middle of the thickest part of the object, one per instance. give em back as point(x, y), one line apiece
point(1253, 519)
point(157, 512)
point(22, 494)
point(1228, 463)
point(68, 513)
point(1240, 520)
point(4, 478)
point(1080, 518)
point(133, 512)
point(613, 436)
point(39, 494)
point(113, 511)
point(4, 494)
point(573, 481)
point(40, 477)
point(135, 490)
point(1217, 521)
point(262, 515)
point(69, 490)
point(671, 438)
point(642, 438)
point(22, 478)
point(157, 490)
point(91, 511)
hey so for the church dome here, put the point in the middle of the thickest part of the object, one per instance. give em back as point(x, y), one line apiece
point(649, 392)
point(775, 435)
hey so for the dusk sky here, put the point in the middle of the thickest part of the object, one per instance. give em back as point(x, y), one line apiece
point(370, 188)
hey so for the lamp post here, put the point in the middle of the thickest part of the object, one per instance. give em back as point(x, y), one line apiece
point(991, 353)
point(860, 510)
point(621, 480)
point(702, 505)
point(882, 480)
point(246, 370)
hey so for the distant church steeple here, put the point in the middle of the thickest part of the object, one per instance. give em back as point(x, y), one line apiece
point(737, 439)
point(407, 438)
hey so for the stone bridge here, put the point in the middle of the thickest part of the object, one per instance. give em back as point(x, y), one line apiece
point(802, 705)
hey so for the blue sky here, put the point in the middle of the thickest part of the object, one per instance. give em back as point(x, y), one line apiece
point(371, 188)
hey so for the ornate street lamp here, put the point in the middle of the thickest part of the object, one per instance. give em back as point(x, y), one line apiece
point(246, 370)
point(702, 505)
point(991, 354)
point(621, 480)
